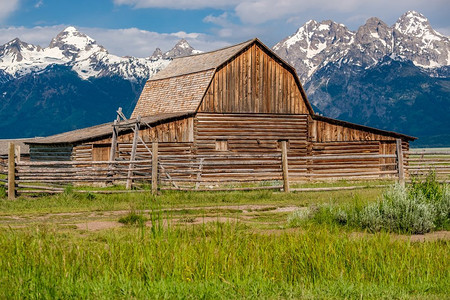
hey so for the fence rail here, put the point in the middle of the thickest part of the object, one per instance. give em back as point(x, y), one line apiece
point(220, 172)
point(421, 162)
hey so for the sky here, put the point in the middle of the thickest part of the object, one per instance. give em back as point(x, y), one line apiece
point(137, 27)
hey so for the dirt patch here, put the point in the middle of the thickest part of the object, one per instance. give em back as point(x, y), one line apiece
point(204, 220)
point(427, 237)
point(432, 236)
point(98, 225)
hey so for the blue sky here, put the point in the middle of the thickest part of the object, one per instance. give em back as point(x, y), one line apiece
point(137, 27)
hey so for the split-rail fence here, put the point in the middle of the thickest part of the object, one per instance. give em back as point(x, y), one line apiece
point(219, 172)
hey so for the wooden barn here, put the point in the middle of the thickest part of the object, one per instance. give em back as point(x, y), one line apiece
point(242, 99)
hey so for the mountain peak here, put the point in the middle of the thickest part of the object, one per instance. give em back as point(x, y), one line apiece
point(182, 48)
point(183, 44)
point(414, 23)
point(70, 36)
point(72, 42)
point(70, 29)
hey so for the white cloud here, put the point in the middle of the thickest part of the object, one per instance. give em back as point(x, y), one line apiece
point(179, 4)
point(7, 7)
point(123, 42)
point(39, 4)
point(261, 11)
point(37, 35)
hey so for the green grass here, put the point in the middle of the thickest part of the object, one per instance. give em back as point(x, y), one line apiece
point(167, 255)
point(220, 260)
point(74, 202)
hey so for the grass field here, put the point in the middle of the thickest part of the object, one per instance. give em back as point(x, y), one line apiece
point(208, 245)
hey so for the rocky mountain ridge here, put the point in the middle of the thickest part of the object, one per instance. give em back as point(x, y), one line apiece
point(316, 44)
point(85, 56)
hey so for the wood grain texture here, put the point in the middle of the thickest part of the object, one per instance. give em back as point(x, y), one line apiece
point(254, 82)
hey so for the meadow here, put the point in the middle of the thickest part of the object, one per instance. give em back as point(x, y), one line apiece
point(187, 245)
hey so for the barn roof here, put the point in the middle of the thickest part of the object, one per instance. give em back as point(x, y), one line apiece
point(182, 84)
point(24, 149)
point(363, 127)
point(200, 62)
point(102, 130)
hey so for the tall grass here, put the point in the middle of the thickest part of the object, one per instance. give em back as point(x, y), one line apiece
point(217, 261)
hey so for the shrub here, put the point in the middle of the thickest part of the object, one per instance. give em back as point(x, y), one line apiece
point(399, 211)
point(417, 208)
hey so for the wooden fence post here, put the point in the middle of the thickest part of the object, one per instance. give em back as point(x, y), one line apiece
point(154, 167)
point(400, 166)
point(285, 166)
point(11, 172)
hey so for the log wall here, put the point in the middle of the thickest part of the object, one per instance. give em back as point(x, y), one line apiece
point(254, 82)
point(50, 152)
point(250, 133)
point(322, 131)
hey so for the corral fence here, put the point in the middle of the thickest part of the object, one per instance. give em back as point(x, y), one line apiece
point(219, 172)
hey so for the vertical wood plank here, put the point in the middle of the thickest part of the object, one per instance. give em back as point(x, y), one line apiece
point(133, 153)
point(400, 166)
point(112, 154)
point(285, 166)
point(11, 172)
point(154, 167)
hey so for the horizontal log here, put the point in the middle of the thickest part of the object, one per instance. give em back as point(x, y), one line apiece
point(428, 159)
point(412, 152)
point(276, 187)
point(339, 157)
point(40, 187)
point(337, 188)
point(69, 163)
point(352, 174)
point(223, 180)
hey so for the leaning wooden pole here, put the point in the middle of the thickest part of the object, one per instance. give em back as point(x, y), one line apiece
point(285, 166)
point(400, 166)
point(154, 168)
point(133, 153)
point(11, 172)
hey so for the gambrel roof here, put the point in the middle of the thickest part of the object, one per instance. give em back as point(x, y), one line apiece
point(181, 86)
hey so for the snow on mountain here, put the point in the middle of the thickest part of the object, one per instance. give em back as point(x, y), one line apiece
point(86, 57)
point(417, 41)
point(315, 44)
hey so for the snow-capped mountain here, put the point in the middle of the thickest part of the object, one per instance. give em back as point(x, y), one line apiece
point(85, 56)
point(317, 44)
point(390, 77)
point(72, 83)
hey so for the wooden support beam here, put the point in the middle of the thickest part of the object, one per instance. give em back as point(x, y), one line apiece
point(112, 154)
point(133, 153)
point(285, 167)
point(199, 174)
point(155, 167)
point(11, 172)
point(400, 166)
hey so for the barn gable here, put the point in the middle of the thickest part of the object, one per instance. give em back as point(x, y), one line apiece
point(229, 80)
point(255, 81)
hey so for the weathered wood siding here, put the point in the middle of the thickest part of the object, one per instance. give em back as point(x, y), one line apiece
point(321, 131)
point(175, 135)
point(254, 82)
point(340, 168)
point(50, 152)
point(250, 133)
